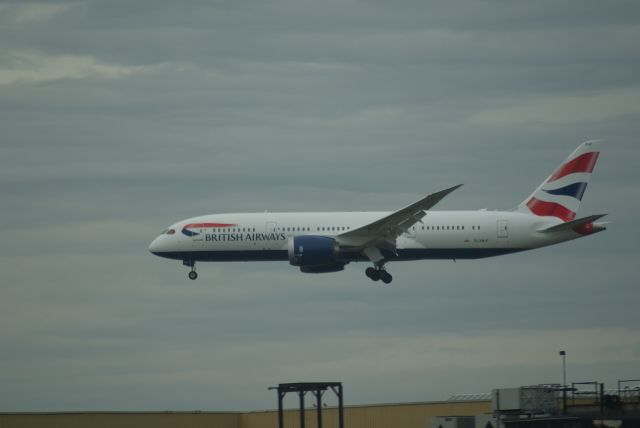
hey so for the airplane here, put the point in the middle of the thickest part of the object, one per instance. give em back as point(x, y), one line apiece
point(319, 242)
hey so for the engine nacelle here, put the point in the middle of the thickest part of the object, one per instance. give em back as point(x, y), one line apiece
point(313, 251)
point(337, 267)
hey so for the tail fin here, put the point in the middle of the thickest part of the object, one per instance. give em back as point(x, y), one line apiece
point(561, 193)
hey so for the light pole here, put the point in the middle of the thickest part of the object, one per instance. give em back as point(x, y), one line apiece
point(563, 354)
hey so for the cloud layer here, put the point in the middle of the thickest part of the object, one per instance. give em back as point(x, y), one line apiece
point(118, 118)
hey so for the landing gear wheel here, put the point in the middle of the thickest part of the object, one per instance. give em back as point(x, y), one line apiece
point(192, 264)
point(386, 277)
point(372, 273)
point(377, 274)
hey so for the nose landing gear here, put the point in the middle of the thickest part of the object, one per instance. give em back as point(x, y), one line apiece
point(192, 274)
point(378, 273)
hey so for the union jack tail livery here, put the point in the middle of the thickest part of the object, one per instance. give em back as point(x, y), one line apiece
point(322, 242)
point(561, 193)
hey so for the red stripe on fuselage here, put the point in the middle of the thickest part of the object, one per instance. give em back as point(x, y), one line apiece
point(583, 163)
point(543, 208)
point(205, 225)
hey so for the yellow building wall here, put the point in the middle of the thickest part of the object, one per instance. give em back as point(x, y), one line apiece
point(413, 415)
point(120, 420)
point(380, 416)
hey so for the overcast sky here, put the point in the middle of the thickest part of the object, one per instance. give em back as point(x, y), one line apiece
point(118, 118)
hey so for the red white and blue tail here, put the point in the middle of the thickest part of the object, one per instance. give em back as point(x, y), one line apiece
point(561, 193)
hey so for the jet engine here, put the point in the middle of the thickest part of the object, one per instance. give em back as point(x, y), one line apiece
point(315, 254)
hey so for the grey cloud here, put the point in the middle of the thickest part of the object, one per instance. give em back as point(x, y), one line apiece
point(119, 118)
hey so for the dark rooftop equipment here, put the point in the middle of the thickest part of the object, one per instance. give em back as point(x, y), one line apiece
point(629, 393)
point(318, 389)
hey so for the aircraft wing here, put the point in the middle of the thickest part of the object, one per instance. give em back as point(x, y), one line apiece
point(382, 233)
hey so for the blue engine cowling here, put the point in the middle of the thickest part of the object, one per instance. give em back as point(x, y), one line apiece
point(310, 251)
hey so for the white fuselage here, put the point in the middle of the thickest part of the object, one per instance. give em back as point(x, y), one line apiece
point(320, 242)
point(440, 235)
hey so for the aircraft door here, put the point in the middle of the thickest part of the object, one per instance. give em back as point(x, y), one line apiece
point(503, 229)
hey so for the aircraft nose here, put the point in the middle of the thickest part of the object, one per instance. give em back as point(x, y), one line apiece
point(154, 247)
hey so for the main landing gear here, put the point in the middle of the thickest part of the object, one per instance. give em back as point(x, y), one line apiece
point(192, 274)
point(378, 273)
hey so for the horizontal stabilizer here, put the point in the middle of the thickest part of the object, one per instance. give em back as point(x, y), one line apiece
point(572, 225)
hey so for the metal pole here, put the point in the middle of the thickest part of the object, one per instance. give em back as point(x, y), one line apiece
point(319, 405)
point(563, 354)
point(301, 393)
point(601, 398)
point(340, 408)
point(564, 368)
point(497, 408)
point(280, 411)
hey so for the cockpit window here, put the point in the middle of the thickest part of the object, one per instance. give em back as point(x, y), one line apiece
point(171, 231)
